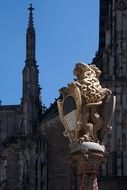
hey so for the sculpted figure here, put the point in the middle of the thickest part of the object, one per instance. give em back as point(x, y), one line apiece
point(92, 102)
point(86, 109)
point(88, 82)
point(92, 96)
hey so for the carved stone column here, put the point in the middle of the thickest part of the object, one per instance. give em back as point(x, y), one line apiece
point(86, 159)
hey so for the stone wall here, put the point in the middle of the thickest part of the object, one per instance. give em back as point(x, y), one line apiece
point(10, 121)
point(59, 173)
point(113, 183)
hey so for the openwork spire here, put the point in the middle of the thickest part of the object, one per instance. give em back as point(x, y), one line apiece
point(30, 25)
point(30, 39)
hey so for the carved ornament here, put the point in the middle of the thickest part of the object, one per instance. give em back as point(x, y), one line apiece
point(86, 108)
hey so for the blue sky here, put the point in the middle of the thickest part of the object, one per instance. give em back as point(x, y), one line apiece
point(66, 33)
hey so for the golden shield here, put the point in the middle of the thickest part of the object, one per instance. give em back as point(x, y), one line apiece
point(69, 108)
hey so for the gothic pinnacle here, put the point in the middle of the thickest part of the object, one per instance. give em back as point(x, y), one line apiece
point(30, 16)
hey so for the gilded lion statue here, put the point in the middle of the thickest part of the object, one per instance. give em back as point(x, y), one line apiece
point(86, 108)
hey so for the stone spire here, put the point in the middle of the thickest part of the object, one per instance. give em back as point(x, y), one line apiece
point(30, 16)
point(30, 39)
point(31, 90)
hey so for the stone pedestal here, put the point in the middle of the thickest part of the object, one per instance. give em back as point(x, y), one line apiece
point(86, 159)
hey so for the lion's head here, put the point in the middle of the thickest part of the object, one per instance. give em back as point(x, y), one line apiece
point(79, 69)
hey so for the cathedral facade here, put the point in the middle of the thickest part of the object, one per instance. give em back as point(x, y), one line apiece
point(34, 154)
point(22, 151)
point(111, 58)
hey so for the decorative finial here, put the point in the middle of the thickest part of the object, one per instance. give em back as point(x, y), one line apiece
point(30, 16)
point(31, 8)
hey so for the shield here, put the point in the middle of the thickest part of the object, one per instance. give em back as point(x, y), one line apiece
point(70, 112)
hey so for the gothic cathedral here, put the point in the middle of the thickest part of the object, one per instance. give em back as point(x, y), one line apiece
point(34, 154)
